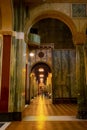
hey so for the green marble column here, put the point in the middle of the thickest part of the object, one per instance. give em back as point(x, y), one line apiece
point(81, 82)
point(20, 59)
point(69, 74)
point(18, 64)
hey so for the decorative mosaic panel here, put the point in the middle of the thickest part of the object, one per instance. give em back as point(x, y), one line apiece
point(44, 55)
point(79, 10)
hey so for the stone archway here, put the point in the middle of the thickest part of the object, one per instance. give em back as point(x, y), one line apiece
point(50, 14)
point(36, 86)
point(78, 38)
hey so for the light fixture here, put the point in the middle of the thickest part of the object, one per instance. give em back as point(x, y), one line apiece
point(41, 70)
point(31, 54)
point(41, 75)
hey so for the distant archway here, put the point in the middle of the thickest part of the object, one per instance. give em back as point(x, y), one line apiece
point(40, 80)
point(40, 63)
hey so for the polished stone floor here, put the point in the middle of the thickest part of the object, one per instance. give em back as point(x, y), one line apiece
point(41, 114)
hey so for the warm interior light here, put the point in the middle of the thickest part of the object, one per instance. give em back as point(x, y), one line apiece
point(41, 80)
point(31, 54)
point(41, 75)
point(41, 70)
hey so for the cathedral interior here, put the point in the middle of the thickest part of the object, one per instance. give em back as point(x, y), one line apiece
point(43, 64)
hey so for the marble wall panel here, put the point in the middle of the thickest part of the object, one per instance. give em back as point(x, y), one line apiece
point(64, 73)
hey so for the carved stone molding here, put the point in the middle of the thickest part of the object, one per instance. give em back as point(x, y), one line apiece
point(6, 32)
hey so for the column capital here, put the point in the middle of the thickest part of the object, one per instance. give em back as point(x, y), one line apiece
point(6, 32)
point(79, 38)
point(18, 35)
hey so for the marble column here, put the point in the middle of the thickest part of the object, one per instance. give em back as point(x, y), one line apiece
point(5, 72)
point(81, 78)
point(17, 65)
point(54, 78)
point(27, 89)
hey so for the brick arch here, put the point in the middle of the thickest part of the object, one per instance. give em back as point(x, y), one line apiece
point(6, 15)
point(50, 14)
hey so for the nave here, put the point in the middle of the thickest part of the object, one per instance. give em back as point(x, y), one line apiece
point(41, 114)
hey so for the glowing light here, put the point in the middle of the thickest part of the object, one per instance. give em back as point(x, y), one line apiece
point(41, 70)
point(41, 118)
point(41, 80)
point(31, 54)
point(41, 75)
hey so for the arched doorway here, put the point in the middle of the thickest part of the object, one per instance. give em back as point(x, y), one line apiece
point(60, 57)
point(63, 56)
point(40, 80)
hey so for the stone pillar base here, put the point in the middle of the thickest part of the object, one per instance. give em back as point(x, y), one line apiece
point(11, 116)
point(82, 115)
point(27, 102)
